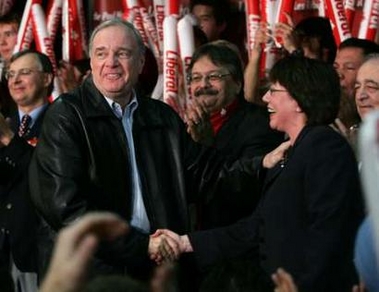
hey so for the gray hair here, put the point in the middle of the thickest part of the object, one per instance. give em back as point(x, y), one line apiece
point(370, 57)
point(121, 23)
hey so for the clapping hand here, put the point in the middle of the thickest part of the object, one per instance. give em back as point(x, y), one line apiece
point(6, 134)
point(283, 281)
point(198, 122)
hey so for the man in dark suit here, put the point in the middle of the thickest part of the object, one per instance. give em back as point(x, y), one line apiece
point(239, 130)
point(30, 81)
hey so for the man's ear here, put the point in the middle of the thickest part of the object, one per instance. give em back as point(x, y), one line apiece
point(48, 78)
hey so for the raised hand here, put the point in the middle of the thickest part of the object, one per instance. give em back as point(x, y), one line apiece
point(283, 281)
point(285, 33)
point(6, 134)
point(74, 248)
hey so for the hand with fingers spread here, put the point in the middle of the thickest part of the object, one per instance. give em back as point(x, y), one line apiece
point(262, 35)
point(198, 122)
point(6, 134)
point(285, 32)
point(275, 156)
point(283, 281)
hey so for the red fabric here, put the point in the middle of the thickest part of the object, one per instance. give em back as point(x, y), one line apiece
point(219, 118)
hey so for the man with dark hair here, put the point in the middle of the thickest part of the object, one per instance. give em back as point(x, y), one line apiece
point(316, 38)
point(212, 15)
point(350, 56)
point(239, 130)
point(8, 35)
point(30, 81)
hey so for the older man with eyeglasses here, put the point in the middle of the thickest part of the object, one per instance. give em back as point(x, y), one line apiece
point(238, 129)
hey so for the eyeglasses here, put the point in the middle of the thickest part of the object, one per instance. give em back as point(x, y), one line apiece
point(213, 77)
point(273, 90)
point(24, 72)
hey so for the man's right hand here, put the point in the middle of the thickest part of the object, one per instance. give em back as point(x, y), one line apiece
point(6, 134)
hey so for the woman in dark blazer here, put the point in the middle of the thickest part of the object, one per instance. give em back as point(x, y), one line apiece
point(311, 205)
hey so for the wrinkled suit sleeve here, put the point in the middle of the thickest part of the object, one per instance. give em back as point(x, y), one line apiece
point(14, 159)
point(56, 171)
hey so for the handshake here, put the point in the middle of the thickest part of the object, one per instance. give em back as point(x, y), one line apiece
point(167, 246)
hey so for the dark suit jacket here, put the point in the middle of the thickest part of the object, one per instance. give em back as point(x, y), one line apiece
point(307, 218)
point(245, 134)
point(7, 105)
point(18, 220)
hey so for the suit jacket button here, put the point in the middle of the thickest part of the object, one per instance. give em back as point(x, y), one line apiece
point(9, 206)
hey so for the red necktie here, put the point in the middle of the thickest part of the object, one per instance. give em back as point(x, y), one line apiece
point(24, 125)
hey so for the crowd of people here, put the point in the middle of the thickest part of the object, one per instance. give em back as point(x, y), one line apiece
point(255, 186)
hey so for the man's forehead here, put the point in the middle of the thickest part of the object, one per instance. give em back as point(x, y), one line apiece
point(28, 60)
point(203, 10)
point(206, 61)
point(370, 67)
point(8, 27)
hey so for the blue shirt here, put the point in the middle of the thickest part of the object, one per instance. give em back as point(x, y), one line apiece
point(366, 256)
point(34, 114)
point(139, 215)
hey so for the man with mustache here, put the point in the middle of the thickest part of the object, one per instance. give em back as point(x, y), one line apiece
point(237, 129)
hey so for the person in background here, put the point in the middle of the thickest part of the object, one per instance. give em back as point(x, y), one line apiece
point(350, 56)
point(30, 81)
point(238, 129)
point(367, 101)
point(311, 204)
point(367, 85)
point(219, 19)
point(212, 17)
point(71, 75)
point(9, 24)
point(311, 37)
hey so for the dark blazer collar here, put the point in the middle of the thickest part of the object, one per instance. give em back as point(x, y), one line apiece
point(95, 105)
point(35, 130)
point(93, 101)
point(277, 169)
